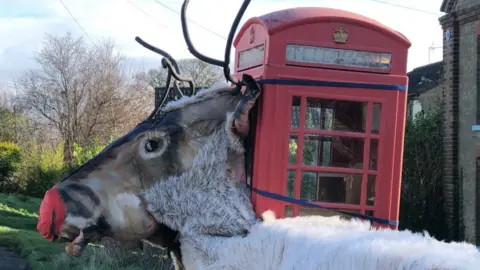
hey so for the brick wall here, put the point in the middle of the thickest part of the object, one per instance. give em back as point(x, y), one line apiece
point(478, 201)
point(450, 113)
point(468, 114)
point(464, 4)
point(460, 87)
point(477, 210)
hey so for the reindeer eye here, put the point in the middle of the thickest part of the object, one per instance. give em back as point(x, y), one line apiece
point(151, 146)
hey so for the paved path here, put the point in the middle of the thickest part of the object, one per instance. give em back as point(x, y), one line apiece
point(12, 261)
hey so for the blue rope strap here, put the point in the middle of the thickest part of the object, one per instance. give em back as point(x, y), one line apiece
point(300, 82)
point(309, 204)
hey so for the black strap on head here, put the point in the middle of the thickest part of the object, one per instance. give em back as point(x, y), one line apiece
point(252, 91)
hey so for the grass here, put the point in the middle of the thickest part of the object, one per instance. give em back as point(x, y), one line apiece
point(18, 219)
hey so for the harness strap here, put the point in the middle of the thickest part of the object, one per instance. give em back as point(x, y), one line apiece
point(309, 204)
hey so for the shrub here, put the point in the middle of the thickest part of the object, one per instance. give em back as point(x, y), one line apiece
point(41, 168)
point(421, 205)
point(83, 154)
point(10, 158)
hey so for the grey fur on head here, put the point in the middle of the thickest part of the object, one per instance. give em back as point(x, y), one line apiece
point(205, 200)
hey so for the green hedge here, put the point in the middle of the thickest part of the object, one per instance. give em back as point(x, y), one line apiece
point(421, 205)
point(37, 168)
point(10, 157)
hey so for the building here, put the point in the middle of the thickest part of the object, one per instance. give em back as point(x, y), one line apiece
point(424, 87)
point(460, 87)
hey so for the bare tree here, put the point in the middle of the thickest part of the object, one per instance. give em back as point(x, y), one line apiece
point(202, 73)
point(13, 126)
point(4, 98)
point(156, 77)
point(81, 90)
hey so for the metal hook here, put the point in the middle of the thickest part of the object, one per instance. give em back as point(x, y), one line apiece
point(172, 71)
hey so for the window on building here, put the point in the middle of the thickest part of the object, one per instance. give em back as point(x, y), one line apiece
point(416, 107)
point(413, 107)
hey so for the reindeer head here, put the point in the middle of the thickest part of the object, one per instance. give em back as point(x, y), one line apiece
point(94, 195)
point(93, 201)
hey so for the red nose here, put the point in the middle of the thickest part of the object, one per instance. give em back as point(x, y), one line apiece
point(51, 214)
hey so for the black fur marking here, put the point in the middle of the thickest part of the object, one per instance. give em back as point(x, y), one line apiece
point(90, 233)
point(76, 208)
point(171, 155)
point(84, 190)
point(102, 225)
point(90, 229)
point(170, 118)
point(52, 225)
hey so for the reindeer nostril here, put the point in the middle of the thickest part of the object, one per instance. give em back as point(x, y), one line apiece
point(151, 146)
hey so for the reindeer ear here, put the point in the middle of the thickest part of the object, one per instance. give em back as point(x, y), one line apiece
point(214, 110)
point(253, 88)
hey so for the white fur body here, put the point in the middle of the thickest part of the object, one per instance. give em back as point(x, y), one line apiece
point(329, 243)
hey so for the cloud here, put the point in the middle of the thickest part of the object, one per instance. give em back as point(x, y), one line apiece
point(24, 8)
point(23, 24)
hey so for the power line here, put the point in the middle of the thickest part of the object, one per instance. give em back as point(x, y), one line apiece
point(213, 32)
point(78, 23)
point(407, 7)
point(199, 25)
point(137, 7)
point(378, 1)
point(144, 12)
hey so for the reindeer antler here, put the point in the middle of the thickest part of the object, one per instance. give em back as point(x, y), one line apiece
point(159, 51)
point(228, 47)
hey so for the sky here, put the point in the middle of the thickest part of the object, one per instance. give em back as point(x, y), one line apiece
point(24, 23)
